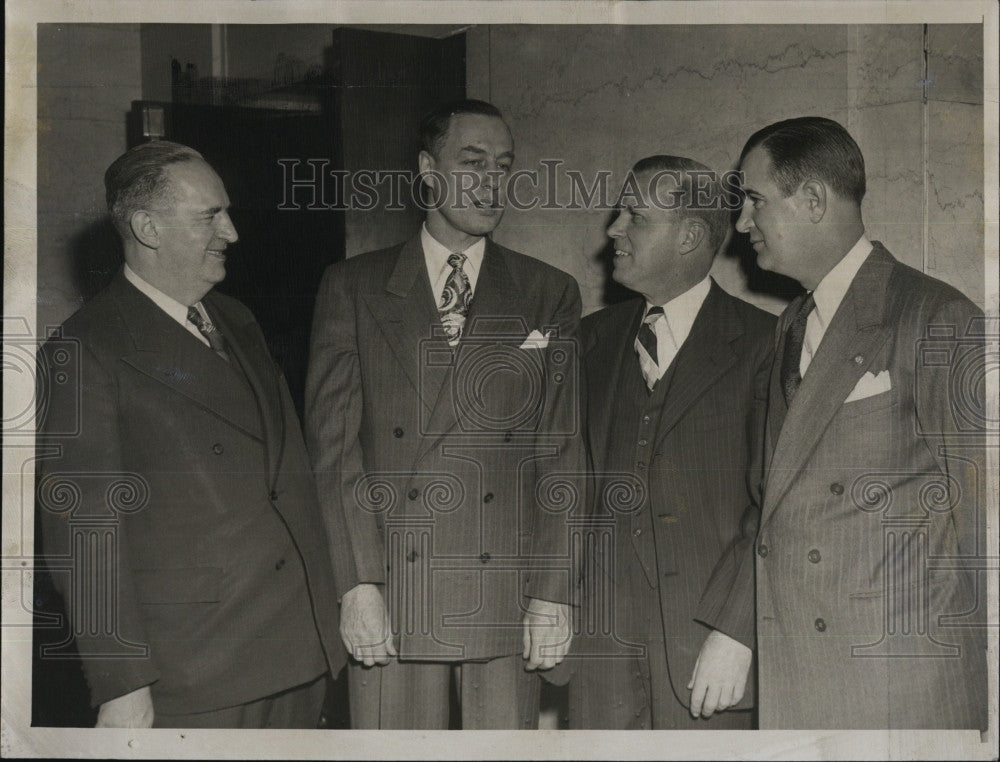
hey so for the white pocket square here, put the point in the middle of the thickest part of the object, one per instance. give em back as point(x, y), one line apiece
point(536, 340)
point(869, 385)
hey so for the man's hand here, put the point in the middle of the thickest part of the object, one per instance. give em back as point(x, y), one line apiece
point(546, 633)
point(720, 674)
point(364, 625)
point(133, 710)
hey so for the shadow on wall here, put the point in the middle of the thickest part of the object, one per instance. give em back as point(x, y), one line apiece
point(95, 255)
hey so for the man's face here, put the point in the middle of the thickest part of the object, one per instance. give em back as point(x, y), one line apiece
point(646, 235)
point(194, 229)
point(476, 155)
point(778, 226)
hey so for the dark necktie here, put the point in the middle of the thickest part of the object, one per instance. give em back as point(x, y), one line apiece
point(215, 338)
point(646, 338)
point(455, 299)
point(792, 356)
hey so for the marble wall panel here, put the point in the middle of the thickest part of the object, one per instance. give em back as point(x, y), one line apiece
point(955, 196)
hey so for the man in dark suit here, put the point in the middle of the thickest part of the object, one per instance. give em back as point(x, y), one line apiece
point(869, 611)
point(179, 514)
point(670, 379)
point(441, 416)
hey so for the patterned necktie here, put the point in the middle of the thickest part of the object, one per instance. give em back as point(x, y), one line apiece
point(215, 338)
point(455, 299)
point(792, 357)
point(645, 347)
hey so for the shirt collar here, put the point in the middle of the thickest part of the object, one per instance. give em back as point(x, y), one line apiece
point(437, 254)
point(681, 311)
point(832, 288)
point(168, 304)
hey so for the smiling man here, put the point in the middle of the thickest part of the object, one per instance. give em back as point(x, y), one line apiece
point(440, 408)
point(682, 358)
point(869, 611)
point(208, 599)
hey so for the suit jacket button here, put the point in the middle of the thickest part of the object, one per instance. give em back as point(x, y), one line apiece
point(814, 556)
point(643, 443)
point(507, 436)
point(484, 558)
point(645, 419)
point(278, 566)
point(217, 448)
point(397, 432)
point(273, 495)
point(487, 497)
point(820, 625)
point(837, 488)
point(637, 532)
point(762, 550)
point(413, 494)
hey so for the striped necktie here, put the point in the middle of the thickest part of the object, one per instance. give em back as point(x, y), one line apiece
point(645, 347)
point(215, 338)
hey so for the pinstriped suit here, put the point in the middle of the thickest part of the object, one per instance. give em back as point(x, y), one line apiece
point(437, 457)
point(870, 510)
point(665, 547)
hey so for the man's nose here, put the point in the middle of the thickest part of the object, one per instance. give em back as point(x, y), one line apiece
point(617, 228)
point(745, 222)
point(226, 230)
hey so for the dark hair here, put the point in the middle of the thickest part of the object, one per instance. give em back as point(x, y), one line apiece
point(434, 127)
point(136, 179)
point(699, 189)
point(811, 146)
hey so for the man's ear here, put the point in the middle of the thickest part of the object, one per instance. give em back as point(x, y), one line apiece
point(144, 229)
point(426, 163)
point(814, 192)
point(692, 233)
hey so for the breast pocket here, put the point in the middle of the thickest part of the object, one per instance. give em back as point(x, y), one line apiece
point(869, 405)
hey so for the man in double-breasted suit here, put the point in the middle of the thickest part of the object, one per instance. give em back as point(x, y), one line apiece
point(670, 399)
point(442, 419)
point(869, 612)
point(178, 510)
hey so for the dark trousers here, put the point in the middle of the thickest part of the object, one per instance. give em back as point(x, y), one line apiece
point(495, 695)
point(296, 708)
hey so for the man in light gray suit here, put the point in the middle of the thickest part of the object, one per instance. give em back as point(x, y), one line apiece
point(869, 613)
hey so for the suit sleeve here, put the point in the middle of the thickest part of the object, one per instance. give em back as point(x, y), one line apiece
point(333, 411)
point(728, 602)
point(951, 414)
point(83, 492)
point(561, 478)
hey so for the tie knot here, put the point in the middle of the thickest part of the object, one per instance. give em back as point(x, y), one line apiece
point(808, 305)
point(195, 317)
point(456, 260)
point(652, 315)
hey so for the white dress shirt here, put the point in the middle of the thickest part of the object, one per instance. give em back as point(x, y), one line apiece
point(673, 328)
point(168, 304)
point(828, 295)
point(436, 257)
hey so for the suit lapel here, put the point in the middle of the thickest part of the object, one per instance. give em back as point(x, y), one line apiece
point(406, 313)
point(609, 352)
point(852, 340)
point(703, 358)
point(168, 354)
point(257, 365)
point(494, 309)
